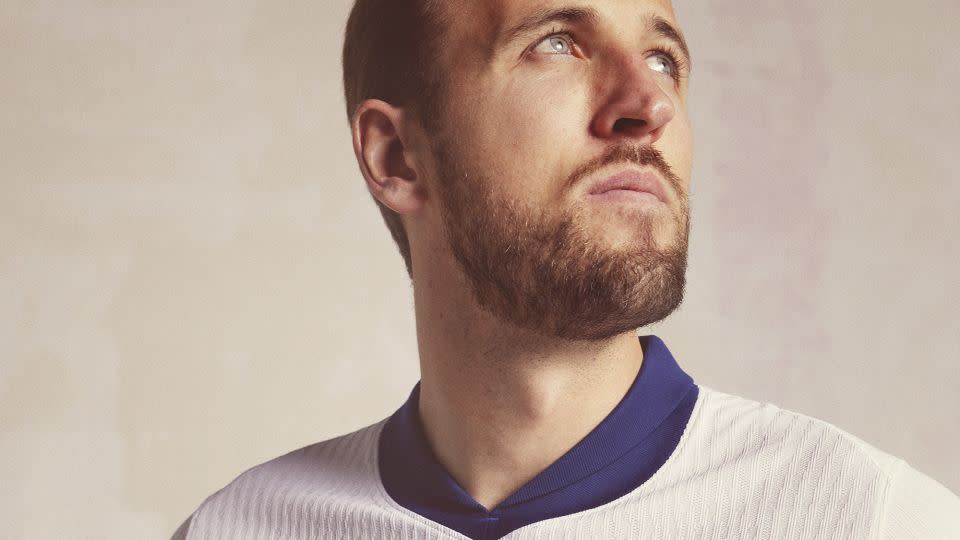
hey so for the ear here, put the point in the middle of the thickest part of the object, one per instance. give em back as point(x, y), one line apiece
point(383, 156)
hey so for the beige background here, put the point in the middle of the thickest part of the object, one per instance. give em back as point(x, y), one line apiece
point(193, 279)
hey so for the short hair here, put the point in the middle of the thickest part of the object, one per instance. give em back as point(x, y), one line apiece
point(389, 53)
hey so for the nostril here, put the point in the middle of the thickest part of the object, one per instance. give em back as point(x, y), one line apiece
point(628, 124)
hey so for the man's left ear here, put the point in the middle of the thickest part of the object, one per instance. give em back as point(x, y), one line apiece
point(383, 156)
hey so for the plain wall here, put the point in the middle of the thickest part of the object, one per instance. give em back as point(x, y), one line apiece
point(193, 278)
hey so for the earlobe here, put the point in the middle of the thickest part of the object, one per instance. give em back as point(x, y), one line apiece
point(382, 155)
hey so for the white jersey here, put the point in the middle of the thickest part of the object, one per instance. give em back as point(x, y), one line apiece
point(742, 469)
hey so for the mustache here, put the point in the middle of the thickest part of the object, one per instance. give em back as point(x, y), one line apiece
point(642, 155)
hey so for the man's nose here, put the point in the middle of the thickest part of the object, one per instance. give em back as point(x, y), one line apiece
point(632, 103)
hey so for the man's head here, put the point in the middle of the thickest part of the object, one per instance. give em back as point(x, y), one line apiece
point(542, 145)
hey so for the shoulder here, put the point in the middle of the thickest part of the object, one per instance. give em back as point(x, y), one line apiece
point(300, 483)
point(919, 507)
point(796, 462)
point(783, 437)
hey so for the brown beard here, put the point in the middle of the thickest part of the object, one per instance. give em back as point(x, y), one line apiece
point(544, 273)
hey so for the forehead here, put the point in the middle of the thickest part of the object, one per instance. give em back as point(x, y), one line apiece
point(487, 19)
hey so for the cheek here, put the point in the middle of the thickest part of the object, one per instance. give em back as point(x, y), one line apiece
point(677, 146)
point(543, 105)
point(531, 132)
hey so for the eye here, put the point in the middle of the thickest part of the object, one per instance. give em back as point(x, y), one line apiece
point(555, 44)
point(662, 62)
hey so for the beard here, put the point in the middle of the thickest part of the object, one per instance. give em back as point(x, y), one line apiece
point(544, 272)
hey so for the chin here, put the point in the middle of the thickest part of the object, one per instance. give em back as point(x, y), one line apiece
point(660, 236)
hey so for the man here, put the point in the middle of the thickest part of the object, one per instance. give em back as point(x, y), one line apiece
point(532, 160)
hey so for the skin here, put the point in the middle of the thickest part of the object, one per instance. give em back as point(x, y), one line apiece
point(501, 402)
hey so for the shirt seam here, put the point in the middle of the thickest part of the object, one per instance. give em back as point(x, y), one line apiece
point(881, 520)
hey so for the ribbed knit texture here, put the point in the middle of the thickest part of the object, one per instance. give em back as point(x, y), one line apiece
point(742, 470)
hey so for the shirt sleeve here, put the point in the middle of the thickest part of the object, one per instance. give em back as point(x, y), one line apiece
point(918, 507)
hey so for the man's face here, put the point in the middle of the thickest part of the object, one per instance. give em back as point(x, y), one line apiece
point(559, 120)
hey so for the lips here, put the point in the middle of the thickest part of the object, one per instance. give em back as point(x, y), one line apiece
point(639, 181)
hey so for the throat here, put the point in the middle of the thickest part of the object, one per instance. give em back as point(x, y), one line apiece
point(494, 433)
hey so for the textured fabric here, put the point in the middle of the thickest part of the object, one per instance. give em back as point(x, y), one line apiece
point(741, 470)
point(616, 457)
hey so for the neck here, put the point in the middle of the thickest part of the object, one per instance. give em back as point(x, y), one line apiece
point(500, 404)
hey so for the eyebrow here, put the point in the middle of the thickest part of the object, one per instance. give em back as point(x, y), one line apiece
point(587, 15)
point(543, 17)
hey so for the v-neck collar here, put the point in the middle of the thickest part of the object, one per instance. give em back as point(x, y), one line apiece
point(616, 457)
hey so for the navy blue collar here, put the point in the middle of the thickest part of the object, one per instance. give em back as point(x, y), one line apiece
point(621, 453)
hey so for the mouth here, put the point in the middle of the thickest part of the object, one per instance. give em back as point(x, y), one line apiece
point(631, 185)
